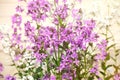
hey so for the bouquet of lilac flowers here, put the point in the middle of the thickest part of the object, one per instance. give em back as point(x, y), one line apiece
point(60, 49)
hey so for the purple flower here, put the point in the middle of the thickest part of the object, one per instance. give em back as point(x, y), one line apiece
point(40, 56)
point(1, 67)
point(90, 23)
point(52, 77)
point(94, 70)
point(117, 77)
point(19, 9)
point(102, 47)
point(37, 9)
point(17, 57)
point(76, 61)
point(80, 0)
point(16, 19)
point(64, 1)
point(56, 1)
point(9, 77)
point(29, 30)
point(16, 38)
point(62, 12)
point(76, 14)
point(99, 78)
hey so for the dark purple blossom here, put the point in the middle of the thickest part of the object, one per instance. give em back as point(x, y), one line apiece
point(19, 9)
point(9, 77)
point(16, 19)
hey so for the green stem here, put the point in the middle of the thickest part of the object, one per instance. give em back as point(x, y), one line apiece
point(55, 52)
point(85, 61)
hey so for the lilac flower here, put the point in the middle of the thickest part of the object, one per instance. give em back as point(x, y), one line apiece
point(64, 1)
point(17, 57)
point(37, 9)
point(40, 56)
point(102, 47)
point(61, 12)
point(90, 23)
point(1, 67)
point(29, 30)
point(117, 77)
point(76, 14)
point(76, 61)
point(80, 0)
point(61, 67)
point(52, 77)
point(16, 38)
point(94, 70)
point(56, 1)
point(67, 76)
point(99, 78)
point(16, 19)
point(9, 77)
point(19, 9)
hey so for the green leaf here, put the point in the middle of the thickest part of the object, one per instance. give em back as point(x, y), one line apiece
point(22, 66)
point(102, 73)
point(90, 78)
point(61, 47)
point(109, 38)
point(117, 52)
point(60, 21)
point(38, 26)
point(23, 51)
point(39, 69)
point(56, 62)
point(108, 78)
point(20, 74)
point(41, 51)
point(103, 66)
point(108, 66)
point(12, 65)
point(110, 46)
point(108, 57)
point(104, 34)
point(113, 58)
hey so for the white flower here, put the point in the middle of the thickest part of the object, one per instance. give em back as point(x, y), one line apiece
point(30, 77)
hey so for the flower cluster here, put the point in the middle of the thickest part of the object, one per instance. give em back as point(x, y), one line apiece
point(38, 9)
point(61, 51)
